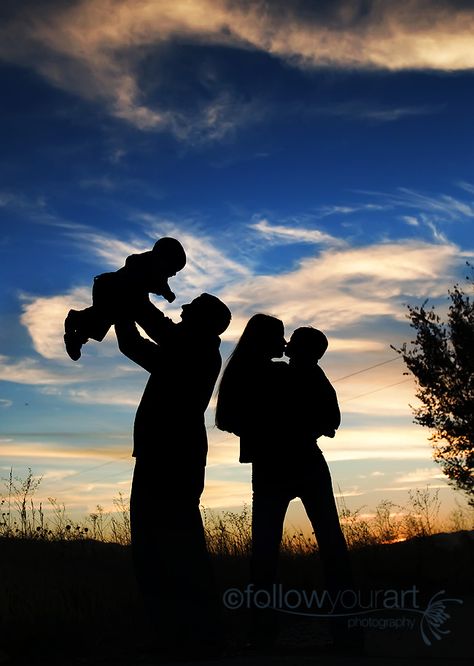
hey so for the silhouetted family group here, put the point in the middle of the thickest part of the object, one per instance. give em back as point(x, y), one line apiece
point(277, 409)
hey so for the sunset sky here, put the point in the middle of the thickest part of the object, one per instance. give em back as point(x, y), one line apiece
point(315, 160)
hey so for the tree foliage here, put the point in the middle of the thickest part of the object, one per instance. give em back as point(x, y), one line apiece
point(442, 360)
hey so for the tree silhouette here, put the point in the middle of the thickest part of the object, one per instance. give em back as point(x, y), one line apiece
point(442, 361)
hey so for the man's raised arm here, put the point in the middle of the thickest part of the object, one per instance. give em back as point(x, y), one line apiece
point(143, 352)
point(154, 322)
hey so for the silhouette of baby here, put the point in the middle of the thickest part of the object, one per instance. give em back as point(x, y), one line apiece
point(122, 293)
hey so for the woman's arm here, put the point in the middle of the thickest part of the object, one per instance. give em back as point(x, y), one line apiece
point(145, 353)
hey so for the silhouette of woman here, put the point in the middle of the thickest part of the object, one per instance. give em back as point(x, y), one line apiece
point(256, 401)
point(246, 389)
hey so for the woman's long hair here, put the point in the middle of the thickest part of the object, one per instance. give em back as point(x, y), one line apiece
point(236, 381)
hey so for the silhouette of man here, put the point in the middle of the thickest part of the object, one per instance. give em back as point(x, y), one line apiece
point(170, 446)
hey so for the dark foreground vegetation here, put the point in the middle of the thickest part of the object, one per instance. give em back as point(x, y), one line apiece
point(75, 601)
point(68, 594)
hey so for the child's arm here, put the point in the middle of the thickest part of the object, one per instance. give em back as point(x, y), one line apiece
point(143, 352)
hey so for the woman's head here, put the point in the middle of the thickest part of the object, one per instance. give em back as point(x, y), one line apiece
point(262, 338)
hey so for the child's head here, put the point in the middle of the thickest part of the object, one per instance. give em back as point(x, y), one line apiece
point(162, 262)
point(306, 344)
point(169, 256)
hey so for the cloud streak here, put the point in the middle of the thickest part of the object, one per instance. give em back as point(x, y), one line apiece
point(281, 234)
point(95, 48)
point(340, 288)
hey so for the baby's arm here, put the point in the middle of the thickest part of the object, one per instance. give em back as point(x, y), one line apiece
point(165, 291)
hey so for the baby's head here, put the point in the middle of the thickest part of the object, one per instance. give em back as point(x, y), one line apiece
point(169, 256)
point(162, 262)
point(307, 345)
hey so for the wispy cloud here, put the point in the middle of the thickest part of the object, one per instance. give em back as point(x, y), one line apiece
point(440, 207)
point(44, 319)
point(94, 48)
point(281, 234)
point(468, 187)
point(31, 371)
point(58, 371)
point(326, 211)
point(127, 397)
point(341, 287)
point(423, 475)
point(393, 114)
point(208, 268)
point(363, 110)
point(410, 220)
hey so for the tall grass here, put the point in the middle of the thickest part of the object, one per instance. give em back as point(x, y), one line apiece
point(228, 533)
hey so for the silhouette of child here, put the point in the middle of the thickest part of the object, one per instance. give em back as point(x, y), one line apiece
point(121, 293)
point(316, 408)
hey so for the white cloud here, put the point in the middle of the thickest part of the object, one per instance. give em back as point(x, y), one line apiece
point(128, 397)
point(207, 268)
point(278, 233)
point(360, 345)
point(423, 475)
point(377, 443)
point(35, 451)
point(325, 211)
point(31, 371)
point(439, 207)
point(468, 187)
point(111, 250)
point(410, 220)
point(340, 288)
point(44, 318)
point(5, 403)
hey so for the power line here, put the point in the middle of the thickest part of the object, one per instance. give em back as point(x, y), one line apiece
point(358, 372)
point(89, 469)
point(94, 467)
point(382, 388)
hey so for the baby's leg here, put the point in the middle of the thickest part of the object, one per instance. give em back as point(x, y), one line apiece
point(75, 332)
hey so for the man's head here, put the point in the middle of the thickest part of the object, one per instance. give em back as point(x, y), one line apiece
point(306, 344)
point(208, 313)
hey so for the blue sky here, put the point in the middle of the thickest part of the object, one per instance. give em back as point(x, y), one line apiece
point(316, 163)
